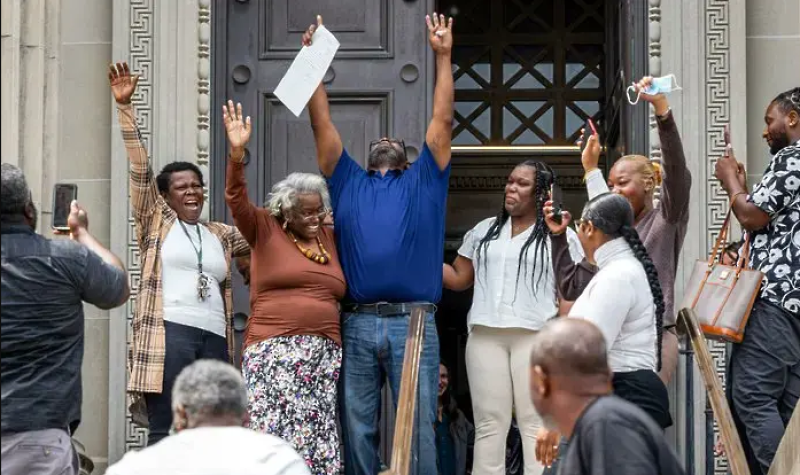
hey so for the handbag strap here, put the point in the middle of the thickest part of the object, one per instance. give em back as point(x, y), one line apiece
point(721, 238)
point(744, 257)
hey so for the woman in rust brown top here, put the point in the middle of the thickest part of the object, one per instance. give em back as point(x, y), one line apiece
point(292, 351)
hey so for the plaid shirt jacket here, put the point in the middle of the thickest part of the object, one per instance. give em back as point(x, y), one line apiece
point(153, 219)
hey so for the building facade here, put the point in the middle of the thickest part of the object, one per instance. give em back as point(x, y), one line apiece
point(58, 122)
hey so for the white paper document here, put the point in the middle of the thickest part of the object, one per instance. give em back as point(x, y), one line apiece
point(307, 71)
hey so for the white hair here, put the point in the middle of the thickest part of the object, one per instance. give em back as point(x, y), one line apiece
point(285, 193)
point(210, 388)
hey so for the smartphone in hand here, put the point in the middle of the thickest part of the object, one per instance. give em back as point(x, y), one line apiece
point(557, 211)
point(588, 130)
point(63, 196)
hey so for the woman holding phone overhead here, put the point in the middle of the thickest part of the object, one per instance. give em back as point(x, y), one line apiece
point(661, 225)
point(507, 258)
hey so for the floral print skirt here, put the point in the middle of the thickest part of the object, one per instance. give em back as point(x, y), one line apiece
point(291, 390)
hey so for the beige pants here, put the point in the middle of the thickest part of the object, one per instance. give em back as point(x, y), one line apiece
point(498, 361)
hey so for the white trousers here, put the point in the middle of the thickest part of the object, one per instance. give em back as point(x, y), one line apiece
point(498, 366)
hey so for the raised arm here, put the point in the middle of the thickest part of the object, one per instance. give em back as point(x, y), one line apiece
point(769, 196)
point(242, 209)
point(105, 283)
point(677, 184)
point(143, 188)
point(440, 130)
point(327, 138)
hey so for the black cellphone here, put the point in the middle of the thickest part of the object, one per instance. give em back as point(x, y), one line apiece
point(557, 211)
point(63, 195)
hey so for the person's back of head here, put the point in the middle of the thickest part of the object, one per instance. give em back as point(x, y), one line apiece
point(569, 364)
point(209, 393)
point(16, 203)
point(209, 402)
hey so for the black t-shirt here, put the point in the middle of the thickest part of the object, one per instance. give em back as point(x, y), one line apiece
point(44, 285)
point(614, 436)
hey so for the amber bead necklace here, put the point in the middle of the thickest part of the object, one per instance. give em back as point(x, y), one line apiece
point(323, 258)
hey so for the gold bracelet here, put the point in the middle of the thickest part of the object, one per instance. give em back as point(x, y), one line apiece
point(587, 174)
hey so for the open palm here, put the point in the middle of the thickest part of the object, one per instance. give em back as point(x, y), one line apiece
point(440, 33)
point(237, 130)
point(123, 83)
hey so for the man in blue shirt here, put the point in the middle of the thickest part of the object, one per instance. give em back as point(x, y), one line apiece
point(44, 285)
point(390, 235)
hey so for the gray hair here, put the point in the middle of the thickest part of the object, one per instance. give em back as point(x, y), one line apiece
point(284, 193)
point(15, 195)
point(210, 388)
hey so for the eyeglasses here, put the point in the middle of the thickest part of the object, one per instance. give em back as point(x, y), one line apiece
point(320, 215)
point(399, 142)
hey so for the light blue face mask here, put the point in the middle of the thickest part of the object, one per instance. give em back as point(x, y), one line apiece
point(662, 85)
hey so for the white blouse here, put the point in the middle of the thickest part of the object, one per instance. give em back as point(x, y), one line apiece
point(179, 273)
point(619, 301)
point(499, 299)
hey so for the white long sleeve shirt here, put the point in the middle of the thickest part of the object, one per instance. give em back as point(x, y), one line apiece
point(500, 300)
point(214, 451)
point(619, 301)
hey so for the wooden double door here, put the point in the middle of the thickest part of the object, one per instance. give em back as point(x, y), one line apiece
point(527, 73)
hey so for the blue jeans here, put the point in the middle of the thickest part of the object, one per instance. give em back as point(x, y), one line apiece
point(373, 349)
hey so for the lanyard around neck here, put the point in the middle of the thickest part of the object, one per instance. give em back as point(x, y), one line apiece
point(198, 252)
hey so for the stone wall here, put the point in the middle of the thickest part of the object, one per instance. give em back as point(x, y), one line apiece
point(773, 40)
point(55, 126)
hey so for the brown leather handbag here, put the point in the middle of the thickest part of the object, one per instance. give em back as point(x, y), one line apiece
point(721, 295)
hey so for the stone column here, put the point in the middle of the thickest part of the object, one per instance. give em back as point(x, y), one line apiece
point(167, 43)
point(703, 44)
point(55, 127)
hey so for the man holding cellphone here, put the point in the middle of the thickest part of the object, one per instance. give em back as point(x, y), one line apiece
point(44, 285)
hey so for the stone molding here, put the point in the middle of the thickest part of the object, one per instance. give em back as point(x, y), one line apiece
point(168, 45)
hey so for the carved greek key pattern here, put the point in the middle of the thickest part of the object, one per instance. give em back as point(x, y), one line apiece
point(717, 80)
point(141, 61)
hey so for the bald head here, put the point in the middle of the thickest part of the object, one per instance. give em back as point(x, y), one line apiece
point(570, 347)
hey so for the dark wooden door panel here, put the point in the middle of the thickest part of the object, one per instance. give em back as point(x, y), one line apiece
point(363, 27)
point(378, 85)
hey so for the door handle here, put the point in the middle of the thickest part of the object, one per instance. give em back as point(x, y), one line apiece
point(241, 74)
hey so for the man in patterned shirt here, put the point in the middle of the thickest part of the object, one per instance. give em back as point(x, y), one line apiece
point(765, 367)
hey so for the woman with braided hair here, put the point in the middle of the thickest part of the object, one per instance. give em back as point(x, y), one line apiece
point(624, 300)
point(507, 258)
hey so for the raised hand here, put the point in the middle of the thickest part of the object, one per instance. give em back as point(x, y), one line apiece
point(590, 156)
point(310, 31)
point(555, 228)
point(123, 83)
point(77, 221)
point(440, 33)
point(236, 129)
point(659, 101)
